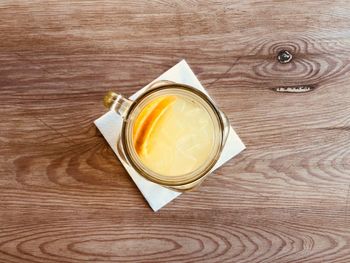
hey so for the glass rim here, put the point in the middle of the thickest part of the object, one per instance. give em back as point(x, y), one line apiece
point(199, 172)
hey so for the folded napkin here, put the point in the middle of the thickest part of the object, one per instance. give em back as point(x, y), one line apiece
point(110, 124)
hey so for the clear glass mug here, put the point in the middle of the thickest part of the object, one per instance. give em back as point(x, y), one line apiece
point(172, 134)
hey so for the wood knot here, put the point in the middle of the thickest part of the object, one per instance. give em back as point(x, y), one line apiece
point(284, 56)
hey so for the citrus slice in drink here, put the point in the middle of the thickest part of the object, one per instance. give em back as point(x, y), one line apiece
point(173, 135)
point(147, 121)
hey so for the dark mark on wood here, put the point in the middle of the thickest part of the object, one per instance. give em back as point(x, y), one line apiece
point(294, 89)
point(69, 140)
point(284, 56)
point(225, 73)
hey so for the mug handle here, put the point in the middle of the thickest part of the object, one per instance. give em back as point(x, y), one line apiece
point(116, 102)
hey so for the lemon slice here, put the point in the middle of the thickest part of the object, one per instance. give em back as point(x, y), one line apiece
point(147, 120)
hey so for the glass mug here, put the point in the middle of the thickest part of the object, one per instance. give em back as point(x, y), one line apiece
point(172, 134)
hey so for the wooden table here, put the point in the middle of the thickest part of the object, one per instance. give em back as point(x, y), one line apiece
point(64, 197)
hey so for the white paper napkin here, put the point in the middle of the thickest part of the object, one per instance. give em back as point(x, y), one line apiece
point(110, 126)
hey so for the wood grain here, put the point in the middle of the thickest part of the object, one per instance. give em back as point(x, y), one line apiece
point(64, 197)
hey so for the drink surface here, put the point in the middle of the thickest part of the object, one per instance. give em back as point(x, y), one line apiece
point(173, 135)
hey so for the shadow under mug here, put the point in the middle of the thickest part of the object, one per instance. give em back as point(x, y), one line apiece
point(129, 110)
